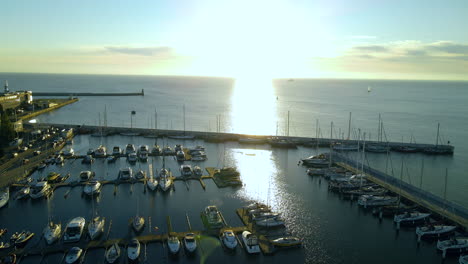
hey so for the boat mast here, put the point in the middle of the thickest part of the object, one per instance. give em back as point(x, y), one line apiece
point(437, 138)
point(184, 119)
point(362, 157)
point(378, 131)
point(422, 172)
point(349, 125)
point(288, 125)
point(331, 137)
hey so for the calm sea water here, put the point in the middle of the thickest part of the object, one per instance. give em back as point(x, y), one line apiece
point(335, 231)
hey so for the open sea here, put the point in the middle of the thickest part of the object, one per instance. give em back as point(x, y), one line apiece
point(334, 230)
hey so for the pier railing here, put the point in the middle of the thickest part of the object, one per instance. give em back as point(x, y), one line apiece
point(448, 209)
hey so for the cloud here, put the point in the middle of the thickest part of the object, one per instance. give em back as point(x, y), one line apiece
point(371, 48)
point(141, 51)
point(449, 47)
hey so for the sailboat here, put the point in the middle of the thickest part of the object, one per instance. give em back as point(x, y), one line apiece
point(113, 253)
point(138, 221)
point(152, 183)
point(165, 181)
point(52, 231)
point(4, 196)
point(96, 225)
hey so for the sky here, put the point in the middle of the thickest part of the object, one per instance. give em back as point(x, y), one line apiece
point(374, 39)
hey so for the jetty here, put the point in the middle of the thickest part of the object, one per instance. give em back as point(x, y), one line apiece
point(440, 206)
point(142, 93)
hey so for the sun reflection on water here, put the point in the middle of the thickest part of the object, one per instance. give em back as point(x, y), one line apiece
point(253, 107)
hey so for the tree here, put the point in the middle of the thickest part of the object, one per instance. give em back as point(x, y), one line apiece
point(7, 130)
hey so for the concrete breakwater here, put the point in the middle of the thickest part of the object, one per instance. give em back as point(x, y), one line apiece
point(142, 93)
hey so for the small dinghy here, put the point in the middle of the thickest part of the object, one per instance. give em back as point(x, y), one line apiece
point(133, 249)
point(434, 231)
point(453, 245)
point(138, 223)
point(73, 255)
point(287, 241)
point(251, 242)
point(20, 239)
point(173, 244)
point(113, 253)
point(4, 246)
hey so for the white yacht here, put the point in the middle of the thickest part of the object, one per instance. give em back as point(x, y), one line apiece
point(138, 223)
point(270, 222)
point(132, 157)
point(130, 148)
point(410, 217)
point(287, 241)
point(165, 182)
point(156, 150)
point(73, 255)
point(52, 232)
point(152, 183)
point(113, 253)
point(434, 231)
point(229, 239)
point(212, 217)
point(173, 244)
point(251, 242)
point(4, 196)
point(22, 193)
point(167, 151)
point(39, 190)
point(186, 170)
point(86, 175)
point(197, 171)
point(453, 245)
point(315, 161)
point(96, 227)
point(133, 249)
point(100, 152)
point(126, 173)
point(375, 200)
point(74, 230)
point(190, 243)
point(345, 147)
point(143, 151)
point(92, 188)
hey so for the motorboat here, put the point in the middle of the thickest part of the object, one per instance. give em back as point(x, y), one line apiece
point(264, 215)
point(434, 231)
point(270, 222)
point(86, 175)
point(73, 255)
point(111, 158)
point(258, 210)
point(116, 151)
point(410, 217)
point(143, 156)
point(125, 173)
point(167, 151)
point(132, 157)
point(196, 148)
point(69, 152)
point(52, 177)
point(405, 149)
point(88, 159)
point(453, 245)
point(173, 244)
point(229, 239)
point(190, 243)
point(22, 193)
point(100, 152)
point(141, 174)
point(52, 232)
point(4, 196)
point(288, 241)
point(463, 259)
point(375, 200)
point(197, 171)
point(156, 150)
point(113, 253)
point(186, 170)
point(138, 223)
point(20, 239)
point(212, 217)
point(130, 148)
point(96, 227)
point(74, 230)
point(40, 189)
point(143, 148)
point(152, 183)
point(316, 161)
point(250, 242)
point(133, 249)
point(198, 153)
point(180, 155)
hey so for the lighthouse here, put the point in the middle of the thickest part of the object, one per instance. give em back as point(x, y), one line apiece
point(6, 88)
